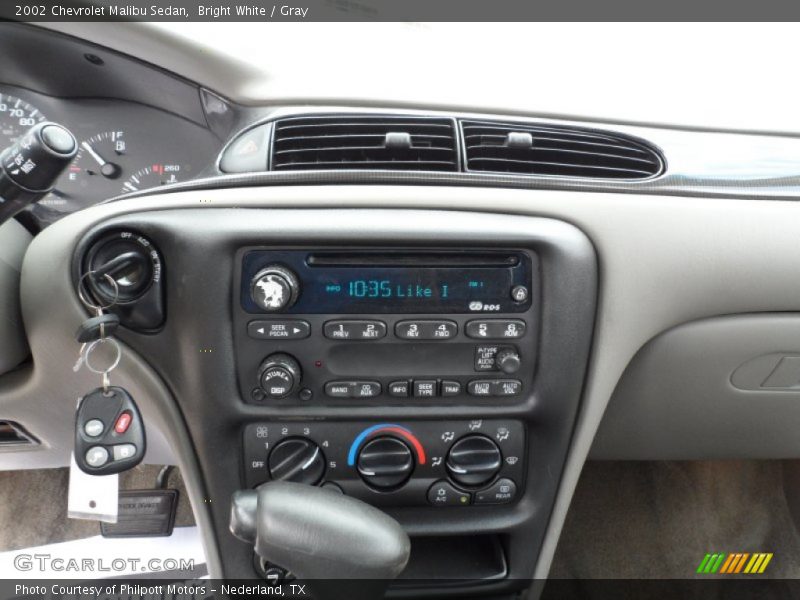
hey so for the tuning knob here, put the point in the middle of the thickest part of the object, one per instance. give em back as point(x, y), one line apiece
point(385, 462)
point(508, 360)
point(274, 288)
point(473, 460)
point(297, 459)
point(279, 375)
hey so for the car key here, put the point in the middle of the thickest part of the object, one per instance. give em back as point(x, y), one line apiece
point(109, 432)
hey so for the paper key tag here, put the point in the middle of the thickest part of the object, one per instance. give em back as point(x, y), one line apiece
point(92, 497)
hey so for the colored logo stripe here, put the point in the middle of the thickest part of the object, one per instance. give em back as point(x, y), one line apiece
point(734, 563)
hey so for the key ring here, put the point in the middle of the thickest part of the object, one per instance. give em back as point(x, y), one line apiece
point(90, 305)
point(111, 367)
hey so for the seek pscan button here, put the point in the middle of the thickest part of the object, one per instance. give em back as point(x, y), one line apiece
point(279, 329)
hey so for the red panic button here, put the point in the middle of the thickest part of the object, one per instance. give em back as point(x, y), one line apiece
point(123, 422)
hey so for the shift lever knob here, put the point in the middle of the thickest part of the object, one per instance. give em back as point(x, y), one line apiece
point(322, 535)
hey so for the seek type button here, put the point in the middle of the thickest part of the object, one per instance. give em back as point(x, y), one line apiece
point(279, 329)
point(442, 493)
point(426, 330)
point(355, 330)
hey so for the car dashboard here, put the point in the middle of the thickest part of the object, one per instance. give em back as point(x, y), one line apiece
point(436, 310)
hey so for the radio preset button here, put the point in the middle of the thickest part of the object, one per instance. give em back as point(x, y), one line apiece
point(283, 329)
point(496, 329)
point(355, 330)
point(425, 388)
point(399, 389)
point(451, 388)
point(426, 330)
point(352, 389)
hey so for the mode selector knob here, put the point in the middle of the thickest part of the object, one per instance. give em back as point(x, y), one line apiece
point(474, 460)
point(297, 459)
point(279, 375)
point(385, 462)
point(274, 288)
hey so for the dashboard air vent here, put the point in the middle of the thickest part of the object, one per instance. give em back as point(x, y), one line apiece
point(388, 142)
point(559, 151)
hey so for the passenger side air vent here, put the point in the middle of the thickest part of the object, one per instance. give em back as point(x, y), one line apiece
point(556, 151)
point(385, 142)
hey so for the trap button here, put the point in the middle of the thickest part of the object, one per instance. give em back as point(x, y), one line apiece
point(442, 493)
point(502, 491)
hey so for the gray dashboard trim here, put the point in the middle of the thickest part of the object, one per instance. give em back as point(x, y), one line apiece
point(682, 397)
point(663, 261)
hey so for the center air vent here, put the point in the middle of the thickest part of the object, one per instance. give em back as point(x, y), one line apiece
point(386, 142)
point(560, 151)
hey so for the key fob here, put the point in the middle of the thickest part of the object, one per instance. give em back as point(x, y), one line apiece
point(109, 433)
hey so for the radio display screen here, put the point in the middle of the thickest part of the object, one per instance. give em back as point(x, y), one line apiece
point(414, 282)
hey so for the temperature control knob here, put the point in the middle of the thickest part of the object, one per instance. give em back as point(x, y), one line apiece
point(297, 459)
point(385, 462)
point(274, 288)
point(279, 375)
point(474, 460)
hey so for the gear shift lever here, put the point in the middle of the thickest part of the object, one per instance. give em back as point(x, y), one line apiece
point(344, 547)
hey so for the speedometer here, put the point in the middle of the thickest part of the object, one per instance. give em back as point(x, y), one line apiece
point(16, 117)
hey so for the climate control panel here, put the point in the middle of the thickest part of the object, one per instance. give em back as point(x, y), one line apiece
point(438, 464)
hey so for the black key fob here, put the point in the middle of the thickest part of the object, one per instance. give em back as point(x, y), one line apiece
point(109, 432)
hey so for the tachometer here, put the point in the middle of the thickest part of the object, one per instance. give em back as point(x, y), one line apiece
point(152, 176)
point(16, 117)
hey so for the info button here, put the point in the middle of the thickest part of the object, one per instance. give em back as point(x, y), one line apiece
point(279, 329)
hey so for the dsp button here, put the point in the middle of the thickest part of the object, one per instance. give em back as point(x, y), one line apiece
point(355, 330)
point(502, 491)
point(279, 329)
point(496, 329)
point(426, 330)
point(442, 493)
point(352, 389)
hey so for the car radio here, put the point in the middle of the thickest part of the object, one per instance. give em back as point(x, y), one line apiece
point(335, 326)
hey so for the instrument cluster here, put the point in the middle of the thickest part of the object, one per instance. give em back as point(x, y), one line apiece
point(124, 147)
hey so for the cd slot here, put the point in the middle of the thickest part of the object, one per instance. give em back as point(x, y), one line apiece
point(411, 259)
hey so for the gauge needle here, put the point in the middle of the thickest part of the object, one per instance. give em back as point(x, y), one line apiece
point(108, 169)
point(86, 146)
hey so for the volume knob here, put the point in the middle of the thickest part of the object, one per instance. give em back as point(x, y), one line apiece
point(274, 288)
